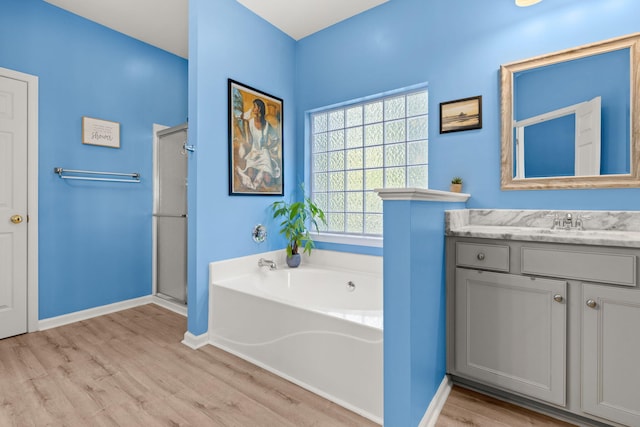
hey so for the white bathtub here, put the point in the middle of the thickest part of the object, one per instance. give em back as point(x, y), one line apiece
point(308, 325)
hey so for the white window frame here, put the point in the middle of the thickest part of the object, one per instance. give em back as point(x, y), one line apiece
point(346, 238)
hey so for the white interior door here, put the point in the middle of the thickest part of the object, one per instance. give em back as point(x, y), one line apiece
point(13, 207)
point(588, 123)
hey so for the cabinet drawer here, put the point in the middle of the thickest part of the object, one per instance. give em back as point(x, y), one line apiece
point(600, 267)
point(486, 257)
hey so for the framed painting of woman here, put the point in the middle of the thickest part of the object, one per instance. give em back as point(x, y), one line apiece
point(255, 142)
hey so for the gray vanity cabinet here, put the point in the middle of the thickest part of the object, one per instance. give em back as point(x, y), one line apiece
point(552, 326)
point(611, 353)
point(511, 332)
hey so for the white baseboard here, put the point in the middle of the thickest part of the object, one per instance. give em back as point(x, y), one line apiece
point(195, 341)
point(175, 307)
point(438, 401)
point(65, 319)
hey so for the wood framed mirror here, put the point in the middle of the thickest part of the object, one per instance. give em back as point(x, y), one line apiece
point(569, 119)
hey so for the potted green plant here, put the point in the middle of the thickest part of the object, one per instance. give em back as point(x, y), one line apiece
point(297, 217)
point(456, 184)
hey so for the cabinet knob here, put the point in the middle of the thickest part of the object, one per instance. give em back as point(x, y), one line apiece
point(591, 303)
point(480, 256)
point(558, 298)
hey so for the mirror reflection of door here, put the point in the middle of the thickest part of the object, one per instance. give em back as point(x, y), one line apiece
point(588, 140)
point(563, 142)
point(552, 81)
point(545, 105)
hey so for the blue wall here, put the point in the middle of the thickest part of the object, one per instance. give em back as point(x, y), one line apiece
point(94, 238)
point(457, 46)
point(229, 41)
point(550, 148)
point(414, 307)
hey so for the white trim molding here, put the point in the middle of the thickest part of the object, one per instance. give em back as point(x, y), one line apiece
point(77, 316)
point(438, 401)
point(195, 341)
point(347, 239)
point(421, 194)
point(169, 305)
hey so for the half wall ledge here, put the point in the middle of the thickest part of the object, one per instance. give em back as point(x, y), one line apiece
point(421, 194)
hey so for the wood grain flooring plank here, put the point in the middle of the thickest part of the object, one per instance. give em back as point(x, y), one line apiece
point(126, 414)
point(130, 369)
point(280, 395)
point(465, 407)
point(228, 407)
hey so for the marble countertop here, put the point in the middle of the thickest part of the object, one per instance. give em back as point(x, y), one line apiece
point(601, 228)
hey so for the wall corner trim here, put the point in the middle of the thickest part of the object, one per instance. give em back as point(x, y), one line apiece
point(195, 341)
point(433, 411)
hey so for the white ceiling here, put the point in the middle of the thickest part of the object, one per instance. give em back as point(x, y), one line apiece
point(165, 23)
point(300, 18)
point(161, 23)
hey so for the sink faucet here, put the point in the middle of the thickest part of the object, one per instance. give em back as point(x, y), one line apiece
point(568, 222)
point(267, 263)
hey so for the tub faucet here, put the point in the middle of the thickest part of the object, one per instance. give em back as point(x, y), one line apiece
point(267, 263)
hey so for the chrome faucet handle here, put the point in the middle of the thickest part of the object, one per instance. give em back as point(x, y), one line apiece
point(556, 220)
point(580, 221)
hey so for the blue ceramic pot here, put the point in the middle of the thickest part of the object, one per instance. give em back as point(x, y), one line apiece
point(293, 261)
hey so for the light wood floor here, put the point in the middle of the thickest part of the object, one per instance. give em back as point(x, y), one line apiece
point(130, 369)
point(468, 408)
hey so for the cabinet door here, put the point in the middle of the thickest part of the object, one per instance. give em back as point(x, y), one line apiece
point(611, 353)
point(510, 332)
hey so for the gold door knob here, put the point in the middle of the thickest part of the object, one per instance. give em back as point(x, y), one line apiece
point(16, 219)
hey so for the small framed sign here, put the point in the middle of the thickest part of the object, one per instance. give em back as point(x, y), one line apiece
point(100, 132)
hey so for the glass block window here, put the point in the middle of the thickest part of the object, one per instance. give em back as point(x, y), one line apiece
point(379, 143)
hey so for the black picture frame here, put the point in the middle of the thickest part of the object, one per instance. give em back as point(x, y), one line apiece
point(256, 122)
point(461, 114)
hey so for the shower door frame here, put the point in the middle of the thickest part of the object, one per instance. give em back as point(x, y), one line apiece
point(156, 195)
